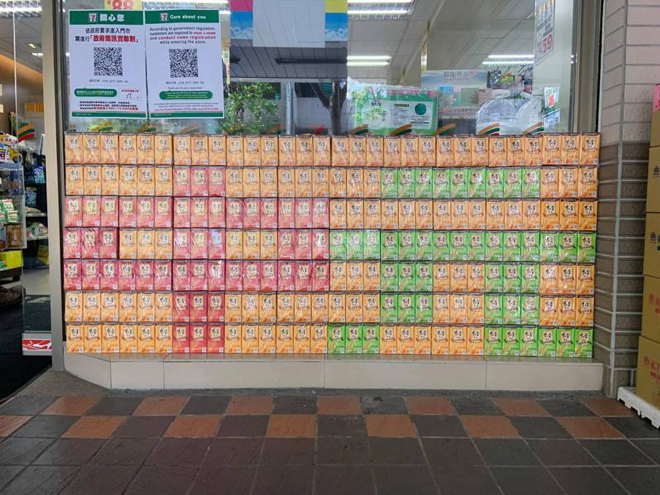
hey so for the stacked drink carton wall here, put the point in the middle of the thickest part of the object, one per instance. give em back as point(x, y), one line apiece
point(463, 245)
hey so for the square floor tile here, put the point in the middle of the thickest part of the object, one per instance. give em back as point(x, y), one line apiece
point(292, 425)
point(539, 427)
point(179, 452)
point(243, 426)
point(518, 480)
point(520, 407)
point(448, 452)
point(25, 406)
point(439, 426)
point(206, 404)
point(143, 427)
point(198, 426)
point(561, 453)
point(498, 452)
point(45, 426)
point(395, 480)
point(565, 407)
point(341, 426)
point(489, 426)
point(114, 406)
point(9, 424)
point(583, 480)
point(634, 427)
point(430, 405)
point(160, 406)
point(294, 405)
point(389, 425)
point(638, 481)
point(607, 407)
point(345, 480)
point(7, 473)
point(101, 480)
point(233, 452)
point(124, 451)
point(234, 481)
point(40, 479)
point(650, 447)
point(70, 452)
point(94, 427)
point(288, 451)
point(384, 405)
point(250, 405)
point(71, 406)
point(616, 453)
point(465, 480)
point(22, 450)
point(342, 450)
point(162, 480)
point(589, 427)
point(396, 451)
point(475, 406)
point(339, 405)
point(288, 480)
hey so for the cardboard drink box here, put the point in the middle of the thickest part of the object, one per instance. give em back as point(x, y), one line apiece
point(584, 342)
point(407, 244)
point(512, 183)
point(549, 247)
point(531, 182)
point(529, 346)
point(530, 278)
point(370, 339)
point(476, 246)
point(586, 246)
point(406, 183)
point(512, 246)
point(336, 339)
point(530, 246)
point(424, 183)
point(652, 245)
point(568, 247)
point(389, 246)
point(389, 304)
point(423, 277)
point(511, 309)
point(511, 276)
point(458, 179)
point(648, 378)
point(354, 339)
point(494, 277)
point(651, 309)
point(424, 245)
point(441, 184)
point(653, 184)
point(494, 246)
point(566, 342)
point(458, 246)
point(493, 337)
point(495, 183)
point(476, 182)
point(441, 249)
point(388, 339)
point(511, 341)
point(547, 342)
point(493, 309)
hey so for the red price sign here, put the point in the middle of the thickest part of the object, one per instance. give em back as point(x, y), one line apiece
point(123, 4)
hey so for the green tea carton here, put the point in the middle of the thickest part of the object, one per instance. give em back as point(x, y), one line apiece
point(407, 245)
point(565, 342)
point(336, 339)
point(586, 247)
point(372, 244)
point(547, 342)
point(568, 247)
point(389, 277)
point(512, 183)
point(424, 245)
point(511, 277)
point(494, 246)
point(459, 183)
point(476, 182)
point(355, 245)
point(441, 181)
point(389, 249)
point(406, 313)
point(530, 281)
point(354, 341)
point(423, 277)
point(511, 251)
point(476, 246)
point(458, 246)
point(389, 307)
point(494, 183)
point(423, 308)
point(584, 342)
point(511, 309)
point(531, 182)
point(406, 187)
point(370, 339)
point(549, 247)
point(337, 244)
point(441, 250)
point(530, 249)
point(529, 309)
point(389, 183)
point(528, 341)
point(424, 183)
point(493, 311)
point(493, 341)
point(494, 277)
point(511, 341)
point(406, 273)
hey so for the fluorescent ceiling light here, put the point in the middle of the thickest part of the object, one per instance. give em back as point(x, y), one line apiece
point(20, 10)
point(367, 57)
point(38, 54)
point(507, 62)
point(32, 45)
point(511, 57)
point(378, 11)
point(359, 63)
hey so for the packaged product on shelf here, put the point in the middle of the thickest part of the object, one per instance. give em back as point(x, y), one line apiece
point(406, 308)
point(250, 308)
point(218, 150)
point(586, 247)
point(423, 245)
point(493, 309)
point(513, 183)
point(320, 308)
point(216, 310)
point(494, 183)
point(182, 146)
point(570, 149)
point(459, 246)
point(389, 277)
point(337, 186)
point(109, 270)
point(441, 183)
point(566, 316)
point(498, 151)
point(355, 183)
point(233, 339)
point(235, 151)
point(72, 279)
point(252, 151)
point(480, 151)
point(126, 275)
point(128, 307)
point(475, 341)
point(370, 339)
point(320, 183)
point(405, 341)
point(510, 341)
point(144, 275)
point(128, 212)
point(584, 342)
point(251, 244)
point(458, 341)
point(301, 339)
point(109, 338)
point(445, 151)
point(410, 151)
point(511, 309)
point(75, 341)
point(565, 342)
point(459, 214)
point(462, 145)
point(199, 178)
point(440, 340)
point(423, 277)
point(92, 184)
point(127, 180)
point(514, 215)
point(162, 339)
point(303, 182)
point(475, 308)
point(476, 178)
point(163, 181)
point(181, 276)
point(357, 151)
point(320, 276)
point(458, 179)
point(146, 307)
point(303, 213)
point(73, 309)
point(268, 218)
point(267, 339)
point(549, 182)
point(495, 214)
point(568, 215)
point(163, 309)
point(552, 149)
point(269, 147)
point(588, 212)
point(269, 272)
point(585, 311)
point(458, 309)
point(588, 182)
point(568, 182)
point(548, 312)
point(423, 308)
point(74, 182)
point(354, 340)
point(529, 305)
point(406, 183)
point(354, 275)
point(163, 149)
point(585, 284)
point(146, 182)
point(516, 151)
point(389, 183)
point(91, 148)
point(476, 277)
point(217, 182)
point(407, 245)
point(181, 338)
point(109, 180)
point(198, 338)
point(109, 148)
point(550, 214)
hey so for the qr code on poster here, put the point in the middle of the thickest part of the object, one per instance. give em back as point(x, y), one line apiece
point(108, 61)
point(183, 62)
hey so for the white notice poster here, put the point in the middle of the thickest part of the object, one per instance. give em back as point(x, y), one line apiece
point(106, 64)
point(184, 64)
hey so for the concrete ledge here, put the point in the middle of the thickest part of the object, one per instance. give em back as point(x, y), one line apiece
point(178, 371)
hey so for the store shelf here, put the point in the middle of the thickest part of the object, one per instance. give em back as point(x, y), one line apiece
point(204, 371)
point(40, 238)
point(35, 215)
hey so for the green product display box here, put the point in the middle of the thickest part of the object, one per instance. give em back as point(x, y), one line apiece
point(407, 245)
point(476, 182)
point(459, 183)
point(566, 342)
point(529, 309)
point(494, 246)
point(423, 277)
point(423, 308)
point(511, 309)
point(529, 346)
point(424, 183)
point(354, 340)
point(568, 247)
point(512, 244)
point(336, 339)
point(389, 183)
point(494, 279)
point(547, 342)
point(493, 340)
point(458, 246)
point(584, 342)
point(355, 245)
point(586, 248)
point(372, 245)
point(389, 277)
point(389, 249)
point(337, 244)
point(476, 246)
point(531, 183)
point(494, 183)
point(493, 309)
point(406, 185)
point(549, 247)
point(441, 250)
point(406, 272)
point(441, 187)
point(530, 281)
point(511, 277)
point(389, 305)
point(512, 183)
point(370, 339)
point(530, 249)
point(406, 312)
point(424, 245)
point(511, 341)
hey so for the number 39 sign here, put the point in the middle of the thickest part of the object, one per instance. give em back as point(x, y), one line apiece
point(545, 29)
point(123, 4)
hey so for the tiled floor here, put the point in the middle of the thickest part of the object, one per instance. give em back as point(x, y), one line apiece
point(371, 444)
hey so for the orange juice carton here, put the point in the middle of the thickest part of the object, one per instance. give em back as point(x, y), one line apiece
point(569, 215)
point(269, 208)
point(216, 312)
point(234, 275)
point(163, 310)
point(128, 307)
point(320, 213)
point(516, 151)
point(498, 150)
point(146, 307)
point(267, 308)
point(287, 150)
point(216, 275)
point(233, 339)
point(569, 182)
point(198, 338)
point(303, 182)
point(588, 215)
point(72, 279)
point(304, 150)
point(128, 212)
point(217, 182)
point(125, 275)
point(480, 151)
point(199, 177)
point(303, 213)
point(234, 215)
point(234, 182)
point(302, 339)
point(405, 340)
point(144, 275)
point(73, 309)
point(550, 214)
point(410, 151)
point(181, 338)
point(90, 275)
point(109, 148)
point(340, 153)
point(286, 217)
point(182, 149)
point(92, 180)
point(303, 275)
point(514, 219)
point(458, 341)
point(393, 152)
point(548, 315)
point(589, 149)
point(109, 338)
point(440, 340)
point(109, 180)
point(566, 315)
point(355, 183)
point(445, 151)
point(388, 339)
point(267, 343)
point(337, 308)
point(162, 339)
point(552, 149)
point(462, 150)
point(357, 151)
point(181, 181)
point(322, 149)
point(375, 151)
point(252, 151)
point(337, 185)
point(92, 338)
point(181, 276)
point(495, 214)
point(320, 183)
point(73, 147)
point(532, 214)
point(475, 341)
point(269, 151)
point(533, 150)
point(585, 280)
point(588, 182)
point(128, 149)
point(269, 271)
point(284, 342)
point(319, 339)
point(181, 307)
point(249, 339)
point(146, 149)
point(570, 149)
point(320, 310)
point(235, 151)
point(338, 281)
point(550, 182)
point(163, 149)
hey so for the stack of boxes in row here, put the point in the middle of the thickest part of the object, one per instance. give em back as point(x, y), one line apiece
point(265, 244)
